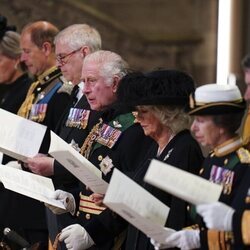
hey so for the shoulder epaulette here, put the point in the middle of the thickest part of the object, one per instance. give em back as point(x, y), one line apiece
point(228, 147)
point(245, 222)
point(66, 87)
point(43, 80)
point(27, 104)
point(244, 155)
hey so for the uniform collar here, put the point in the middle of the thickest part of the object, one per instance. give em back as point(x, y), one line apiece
point(49, 74)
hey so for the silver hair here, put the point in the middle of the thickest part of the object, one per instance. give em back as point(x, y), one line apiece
point(111, 64)
point(173, 117)
point(78, 35)
point(10, 45)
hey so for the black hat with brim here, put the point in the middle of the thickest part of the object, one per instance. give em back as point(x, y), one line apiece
point(160, 87)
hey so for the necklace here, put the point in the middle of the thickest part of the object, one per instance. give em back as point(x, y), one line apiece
point(160, 150)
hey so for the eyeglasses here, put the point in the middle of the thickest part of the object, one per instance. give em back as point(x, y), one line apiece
point(65, 58)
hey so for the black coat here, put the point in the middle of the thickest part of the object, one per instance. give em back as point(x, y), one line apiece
point(3, 89)
point(20, 213)
point(182, 152)
point(15, 94)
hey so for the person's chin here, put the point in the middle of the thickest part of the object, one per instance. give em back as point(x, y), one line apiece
point(95, 107)
point(203, 144)
point(33, 71)
point(145, 131)
point(199, 139)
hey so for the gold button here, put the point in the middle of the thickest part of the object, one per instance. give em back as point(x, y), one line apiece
point(247, 200)
point(188, 208)
point(100, 158)
point(78, 213)
point(201, 171)
point(87, 216)
point(225, 161)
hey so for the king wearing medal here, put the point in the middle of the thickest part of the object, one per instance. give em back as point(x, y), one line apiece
point(116, 141)
point(111, 144)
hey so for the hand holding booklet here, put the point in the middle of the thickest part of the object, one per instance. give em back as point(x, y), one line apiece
point(78, 165)
point(137, 206)
point(184, 185)
point(20, 138)
point(29, 184)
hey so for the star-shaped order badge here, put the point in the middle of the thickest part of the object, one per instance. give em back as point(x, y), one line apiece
point(106, 165)
point(117, 124)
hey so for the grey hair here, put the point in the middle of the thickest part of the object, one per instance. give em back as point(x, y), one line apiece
point(111, 64)
point(79, 35)
point(10, 45)
point(173, 117)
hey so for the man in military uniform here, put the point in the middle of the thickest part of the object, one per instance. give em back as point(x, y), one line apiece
point(71, 46)
point(46, 99)
point(116, 141)
point(45, 102)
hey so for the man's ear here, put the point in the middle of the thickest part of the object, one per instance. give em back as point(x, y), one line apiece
point(85, 50)
point(47, 48)
point(115, 84)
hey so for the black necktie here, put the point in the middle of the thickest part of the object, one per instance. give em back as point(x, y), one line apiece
point(74, 94)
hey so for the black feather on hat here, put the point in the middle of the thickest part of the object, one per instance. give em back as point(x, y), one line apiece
point(160, 87)
point(4, 28)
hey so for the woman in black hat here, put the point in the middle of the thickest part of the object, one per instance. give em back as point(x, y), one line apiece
point(160, 98)
point(218, 111)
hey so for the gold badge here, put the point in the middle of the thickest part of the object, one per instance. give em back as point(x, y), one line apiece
point(243, 155)
point(191, 101)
